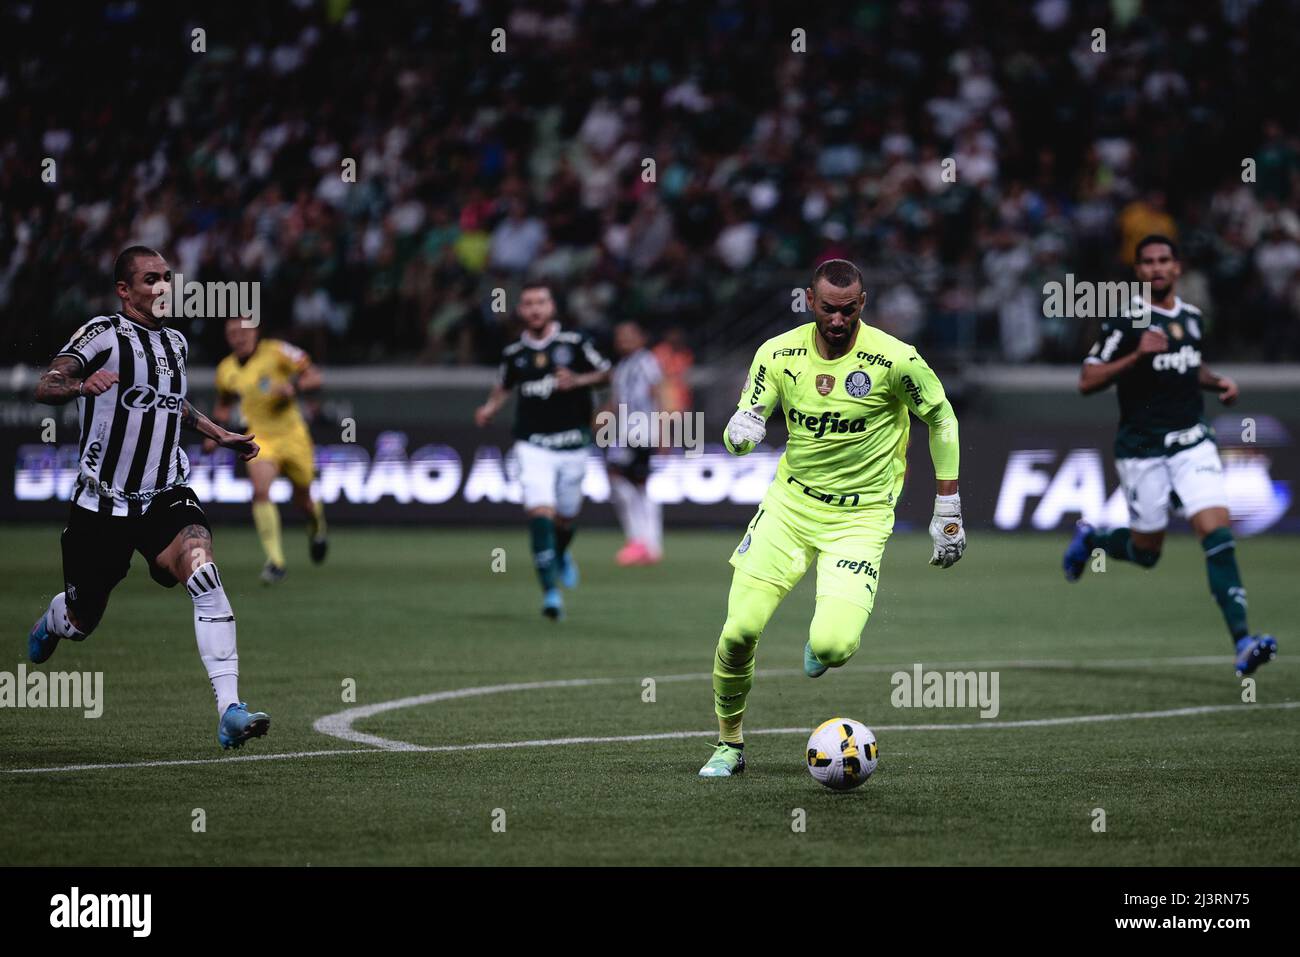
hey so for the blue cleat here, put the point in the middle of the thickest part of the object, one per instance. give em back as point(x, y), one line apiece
point(1077, 552)
point(811, 666)
point(1253, 651)
point(553, 605)
point(237, 725)
point(41, 642)
point(568, 570)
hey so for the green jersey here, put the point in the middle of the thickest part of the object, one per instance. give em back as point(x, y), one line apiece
point(848, 417)
point(1160, 406)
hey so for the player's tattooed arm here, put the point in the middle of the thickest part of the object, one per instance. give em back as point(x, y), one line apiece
point(192, 418)
point(62, 382)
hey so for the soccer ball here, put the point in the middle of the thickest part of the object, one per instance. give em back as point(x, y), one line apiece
point(842, 753)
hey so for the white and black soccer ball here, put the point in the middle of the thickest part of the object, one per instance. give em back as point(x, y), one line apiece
point(842, 753)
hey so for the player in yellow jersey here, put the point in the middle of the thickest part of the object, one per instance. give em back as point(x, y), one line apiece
point(846, 390)
point(265, 377)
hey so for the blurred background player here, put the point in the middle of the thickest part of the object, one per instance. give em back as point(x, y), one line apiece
point(635, 389)
point(555, 372)
point(846, 390)
point(1164, 447)
point(264, 377)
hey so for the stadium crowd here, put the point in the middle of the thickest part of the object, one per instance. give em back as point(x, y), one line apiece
point(780, 135)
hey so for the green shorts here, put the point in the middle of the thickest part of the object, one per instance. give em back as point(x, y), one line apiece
point(787, 533)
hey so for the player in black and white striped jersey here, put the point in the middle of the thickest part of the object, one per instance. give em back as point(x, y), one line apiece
point(635, 388)
point(127, 373)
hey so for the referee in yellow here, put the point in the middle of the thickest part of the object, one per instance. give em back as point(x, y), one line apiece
point(260, 382)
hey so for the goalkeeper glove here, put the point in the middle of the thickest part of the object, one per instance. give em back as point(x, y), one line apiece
point(947, 531)
point(746, 426)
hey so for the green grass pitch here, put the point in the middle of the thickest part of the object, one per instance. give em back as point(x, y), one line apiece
point(407, 612)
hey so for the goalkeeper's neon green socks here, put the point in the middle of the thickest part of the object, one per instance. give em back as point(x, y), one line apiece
point(541, 531)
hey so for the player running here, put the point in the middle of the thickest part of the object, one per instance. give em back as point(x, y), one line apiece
point(555, 372)
point(265, 377)
point(127, 372)
point(846, 390)
point(1164, 447)
point(634, 390)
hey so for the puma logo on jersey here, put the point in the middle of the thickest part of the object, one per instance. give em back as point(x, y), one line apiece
point(792, 375)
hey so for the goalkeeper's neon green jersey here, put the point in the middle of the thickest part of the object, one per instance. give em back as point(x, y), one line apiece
point(848, 417)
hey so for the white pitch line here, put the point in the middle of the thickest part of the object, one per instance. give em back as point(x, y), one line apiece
point(280, 756)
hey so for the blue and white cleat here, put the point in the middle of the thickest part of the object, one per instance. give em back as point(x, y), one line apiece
point(553, 605)
point(1253, 651)
point(1077, 552)
point(811, 666)
point(568, 572)
point(237, 725)
point(41, 642)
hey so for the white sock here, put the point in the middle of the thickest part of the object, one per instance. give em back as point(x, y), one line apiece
point(639, 523)
point(622, 494)
point(57, 620)
point(214, 628)
point(654, 522)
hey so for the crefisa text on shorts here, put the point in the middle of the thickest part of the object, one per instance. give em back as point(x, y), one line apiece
point(946, 689)
point(54, 689)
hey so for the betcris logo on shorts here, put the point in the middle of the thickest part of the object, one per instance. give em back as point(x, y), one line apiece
point(142, 398)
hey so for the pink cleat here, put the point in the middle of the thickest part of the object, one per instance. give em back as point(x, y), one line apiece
point(633, 553)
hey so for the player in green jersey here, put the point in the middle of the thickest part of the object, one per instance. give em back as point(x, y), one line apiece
point(846, 390)
point(1165, 451)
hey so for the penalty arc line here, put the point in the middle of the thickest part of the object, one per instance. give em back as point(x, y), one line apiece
point(339, 724)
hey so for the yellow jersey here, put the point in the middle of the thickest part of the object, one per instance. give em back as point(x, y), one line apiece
point(256, 385)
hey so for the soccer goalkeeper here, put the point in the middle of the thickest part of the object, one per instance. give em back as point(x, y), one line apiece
point(846, 390)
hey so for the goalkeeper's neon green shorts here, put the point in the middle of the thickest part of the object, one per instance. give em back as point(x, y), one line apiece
point(786, 534)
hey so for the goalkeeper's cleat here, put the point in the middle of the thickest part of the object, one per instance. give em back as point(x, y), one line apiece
point(727, 761)
point(1077, 552)
point(1253, 651)
point(811, 666)
point(273, 574)
point(568, 571)
point(553, 604)
point(319, 548)
point(237, 725)
point(41, 642)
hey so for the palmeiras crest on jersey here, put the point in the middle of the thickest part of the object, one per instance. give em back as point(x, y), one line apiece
point(744, 546)
point(857, 383)
point(562, 355)
point(825, 383)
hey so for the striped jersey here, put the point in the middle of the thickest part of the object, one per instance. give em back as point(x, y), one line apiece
point(634, 380)
point(130, 435)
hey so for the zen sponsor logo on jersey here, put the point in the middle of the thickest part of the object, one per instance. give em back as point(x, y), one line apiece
point(828, 421)
point(143, 397)
point(1188, 357)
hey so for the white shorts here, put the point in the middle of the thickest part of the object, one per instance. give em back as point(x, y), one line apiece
point(1195, 475)
point(551, 478)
